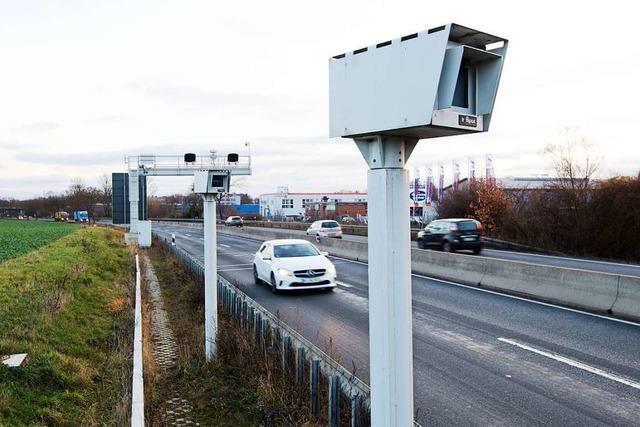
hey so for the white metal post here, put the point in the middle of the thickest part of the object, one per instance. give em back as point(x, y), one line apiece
point(390, 328)
point(134, 197)
point(210, 275)
point(137, 386)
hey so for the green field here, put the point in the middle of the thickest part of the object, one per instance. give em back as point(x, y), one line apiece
point(20, 237)
point(68, 305)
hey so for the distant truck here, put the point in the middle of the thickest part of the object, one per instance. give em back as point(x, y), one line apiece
point(81, 216)
point(61, 216)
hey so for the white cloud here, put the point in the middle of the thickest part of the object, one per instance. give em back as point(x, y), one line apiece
point(86, 82)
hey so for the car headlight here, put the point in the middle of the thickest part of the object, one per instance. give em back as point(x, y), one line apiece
point(420, 233)
point(331, 269)
point(284, 272)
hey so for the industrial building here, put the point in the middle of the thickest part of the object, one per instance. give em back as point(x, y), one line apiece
point(284, 204)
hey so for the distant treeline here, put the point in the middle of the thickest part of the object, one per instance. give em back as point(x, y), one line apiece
point(78, 197)
point(575, 216)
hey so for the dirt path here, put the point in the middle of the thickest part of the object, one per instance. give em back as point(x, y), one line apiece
point(177, 411)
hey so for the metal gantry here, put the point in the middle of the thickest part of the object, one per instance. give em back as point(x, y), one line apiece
point(144, 165)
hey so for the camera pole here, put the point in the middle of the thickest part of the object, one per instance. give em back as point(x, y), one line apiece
point(390, 321)
point(210, 275)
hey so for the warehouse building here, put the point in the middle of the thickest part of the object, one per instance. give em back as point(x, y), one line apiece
point(283, 204)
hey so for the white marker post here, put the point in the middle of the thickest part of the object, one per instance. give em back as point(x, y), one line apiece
point(210, 275)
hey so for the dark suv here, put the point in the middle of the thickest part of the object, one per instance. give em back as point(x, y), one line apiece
point(451, 235)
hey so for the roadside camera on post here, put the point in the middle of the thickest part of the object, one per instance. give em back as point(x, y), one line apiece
point(211, 182)
point(434, 83)
point(386, 97)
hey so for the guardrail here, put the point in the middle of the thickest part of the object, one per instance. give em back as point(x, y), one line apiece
point(295, 350)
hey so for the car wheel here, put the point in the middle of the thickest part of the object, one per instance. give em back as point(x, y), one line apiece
point(446, 246)
point(274, 288)
point(256, 279)
point(477, 251)
point(421, 244)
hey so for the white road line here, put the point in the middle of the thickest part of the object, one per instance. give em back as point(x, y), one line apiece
point(473, 288)
point(235, 269)
point(224, 246)
point(343, 284)
point(617, 264)
point(546, 304)
point(235, 265)
point(574, 363)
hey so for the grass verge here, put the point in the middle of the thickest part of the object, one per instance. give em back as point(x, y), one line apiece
point(244, 386)
point(68, 306)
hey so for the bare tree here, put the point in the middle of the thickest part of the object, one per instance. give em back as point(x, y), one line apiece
point(567, 205)
point(573, 160)
point(238, 184)
point(106, 190)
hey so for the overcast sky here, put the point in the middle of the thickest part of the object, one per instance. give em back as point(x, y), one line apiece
point(82, 83)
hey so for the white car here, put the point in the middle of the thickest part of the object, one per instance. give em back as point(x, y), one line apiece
point(325, 228)
point(290, 264)
point(234, 221)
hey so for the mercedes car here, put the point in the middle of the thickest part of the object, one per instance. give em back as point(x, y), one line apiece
point(292, 264)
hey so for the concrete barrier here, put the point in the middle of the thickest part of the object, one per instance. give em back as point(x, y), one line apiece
point(589, 290)
point(466, 269)
point(577, 288)
point(628, 301)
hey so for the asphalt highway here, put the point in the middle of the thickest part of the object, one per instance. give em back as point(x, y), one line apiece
point(557, 261)
point(480, 358)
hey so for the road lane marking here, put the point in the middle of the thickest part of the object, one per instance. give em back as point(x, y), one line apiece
point(343, 284)
point(236, 269)
point(574, 363)
point(224, 246)
point(594, 261)
point(546, 304)
point(474, 288)
point(235, 265)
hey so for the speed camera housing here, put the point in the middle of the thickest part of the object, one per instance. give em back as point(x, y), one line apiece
point(211, 181)
point(434, 83)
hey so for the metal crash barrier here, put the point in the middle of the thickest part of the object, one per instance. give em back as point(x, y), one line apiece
point(295, 351)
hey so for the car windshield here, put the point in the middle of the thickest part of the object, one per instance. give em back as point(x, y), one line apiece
point(467, 226)
point(294, 250)
point(330, 224)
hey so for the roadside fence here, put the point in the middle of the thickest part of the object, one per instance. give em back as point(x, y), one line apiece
point(304, 360)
